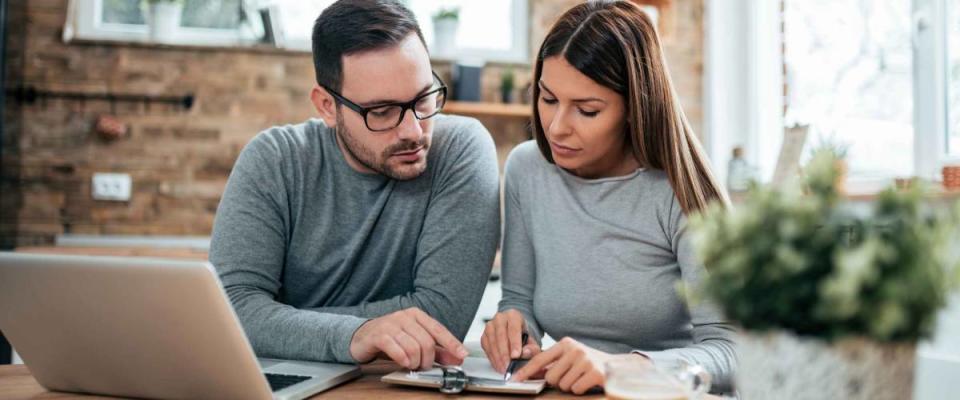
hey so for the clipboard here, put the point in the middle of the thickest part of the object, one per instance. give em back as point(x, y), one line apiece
point(475, 375)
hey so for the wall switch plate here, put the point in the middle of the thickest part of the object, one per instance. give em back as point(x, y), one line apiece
point(111, 187)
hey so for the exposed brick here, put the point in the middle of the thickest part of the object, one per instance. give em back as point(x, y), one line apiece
point(59, 6)
point(196, 133)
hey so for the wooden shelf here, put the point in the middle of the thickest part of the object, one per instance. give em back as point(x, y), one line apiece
point(476, 109)
point(153, 252)
point(934, 193)
point(868, 194)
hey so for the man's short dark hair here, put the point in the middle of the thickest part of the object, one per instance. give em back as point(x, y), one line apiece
point(351, 26)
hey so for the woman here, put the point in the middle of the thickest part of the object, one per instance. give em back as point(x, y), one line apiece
point(594, 242)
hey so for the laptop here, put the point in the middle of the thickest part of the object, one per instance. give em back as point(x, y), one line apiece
point(140, 327)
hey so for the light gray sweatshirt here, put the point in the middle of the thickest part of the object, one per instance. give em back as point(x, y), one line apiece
point(308, 248)
point(599, 260)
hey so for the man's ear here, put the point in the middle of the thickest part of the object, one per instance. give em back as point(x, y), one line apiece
point(325, 104)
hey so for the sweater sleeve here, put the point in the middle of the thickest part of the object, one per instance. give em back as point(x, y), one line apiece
point(713, 344)
point(247, 249)
point(518, 263)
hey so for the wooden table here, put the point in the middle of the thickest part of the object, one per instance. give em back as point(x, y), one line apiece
point(16, 383)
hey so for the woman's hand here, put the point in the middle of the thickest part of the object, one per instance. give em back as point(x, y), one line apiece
point(501, 340)
point(571, 366)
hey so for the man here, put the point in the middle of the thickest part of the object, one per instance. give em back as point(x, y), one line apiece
point(371, 231)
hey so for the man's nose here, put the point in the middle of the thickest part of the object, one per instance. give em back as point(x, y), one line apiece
point(409, 128)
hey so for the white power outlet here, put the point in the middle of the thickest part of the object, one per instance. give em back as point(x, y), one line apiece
point(113, 187)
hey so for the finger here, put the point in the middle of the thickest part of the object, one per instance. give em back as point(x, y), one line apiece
point(530, 349)
point(560, 368)
point(426, 342)
point(493, 352)
point(573, 375)
point(445, 357)
point(587, 381)
point(393, 350)
point(539, 374)
point(502, 343)
point(537, 364)
point(515, 325)
point(440, 334)
point(486, 342)
point(411, 347)
point(484, 336)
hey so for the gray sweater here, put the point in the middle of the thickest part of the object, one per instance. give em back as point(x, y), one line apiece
point(599, 260)
point(308, 248)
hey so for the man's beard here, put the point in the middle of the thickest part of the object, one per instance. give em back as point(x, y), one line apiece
point(366, 157)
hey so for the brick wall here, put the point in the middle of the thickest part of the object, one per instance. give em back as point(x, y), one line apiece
point(179, 160)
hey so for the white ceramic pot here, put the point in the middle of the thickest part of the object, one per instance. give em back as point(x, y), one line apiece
point(164, 20)
point(784, 366)
point(445, 36)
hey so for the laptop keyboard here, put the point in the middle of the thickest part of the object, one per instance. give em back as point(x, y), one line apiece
point(281, 381)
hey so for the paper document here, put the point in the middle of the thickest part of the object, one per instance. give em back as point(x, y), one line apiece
point(474, 367)
point(481, 375)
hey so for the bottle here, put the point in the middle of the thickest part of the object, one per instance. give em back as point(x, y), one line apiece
point(739, 173)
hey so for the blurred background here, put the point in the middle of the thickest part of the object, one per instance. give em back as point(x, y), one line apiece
point(123, 118)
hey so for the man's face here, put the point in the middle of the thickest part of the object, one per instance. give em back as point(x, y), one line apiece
point(396, 74)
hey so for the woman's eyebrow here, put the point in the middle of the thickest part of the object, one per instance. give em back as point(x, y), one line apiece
point(577, 100)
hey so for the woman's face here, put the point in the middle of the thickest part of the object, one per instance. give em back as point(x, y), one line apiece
point(584, 122)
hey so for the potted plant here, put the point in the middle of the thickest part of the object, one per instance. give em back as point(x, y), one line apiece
point(831, 303)
point(839, 150)
point(163, 19)
point(445, 22)
point(506, 85)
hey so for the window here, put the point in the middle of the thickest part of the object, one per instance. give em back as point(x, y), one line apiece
point(233, 22)
point(126, 12)
point(850, 78)
point(202, 22)
point(474, 38)
point(295, 20)
point(217, 14)
point(881, 76)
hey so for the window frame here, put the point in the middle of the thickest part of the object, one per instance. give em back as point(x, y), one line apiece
point(930, 81)
point(84, 23)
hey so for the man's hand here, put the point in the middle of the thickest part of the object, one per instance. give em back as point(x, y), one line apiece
point(408, 337)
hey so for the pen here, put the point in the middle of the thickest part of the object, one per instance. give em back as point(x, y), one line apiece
point(515, 363)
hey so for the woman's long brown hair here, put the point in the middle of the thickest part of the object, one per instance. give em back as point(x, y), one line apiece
point(614, 43)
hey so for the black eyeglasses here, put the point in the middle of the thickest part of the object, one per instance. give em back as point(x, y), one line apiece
point(385, 117)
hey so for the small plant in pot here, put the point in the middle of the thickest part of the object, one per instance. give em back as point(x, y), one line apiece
point(445, 23)
point(832, 302)
point(840, 150)
point(506, 85)
point(163, 19)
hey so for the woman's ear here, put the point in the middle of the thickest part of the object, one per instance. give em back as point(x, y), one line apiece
point(325, 104)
